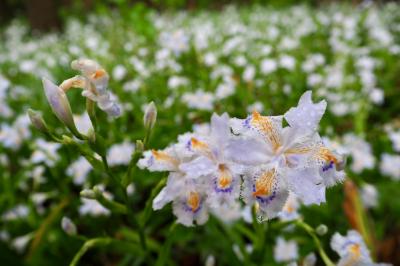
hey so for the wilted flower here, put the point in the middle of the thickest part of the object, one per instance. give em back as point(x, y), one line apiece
point(94, 81)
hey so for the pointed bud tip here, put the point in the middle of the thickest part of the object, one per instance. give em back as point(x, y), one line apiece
point(150, 116)
point(37, 120)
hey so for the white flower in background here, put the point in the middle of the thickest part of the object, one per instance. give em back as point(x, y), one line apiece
point(175, 82)
point(177, 41)
point(369, 195)
point(119, 72)
point(310, 260)
point(79, 170)
point(249, 73)
point(68, 226)
point(93, 208)
point(287, 62)
point(210, 261)
point(20, 243)
point(202, 129)
point(18, 212)
point(120, 154)
point(132, 85)
point(351, 249)
point(4, 85)
point(390, 166)
point(268, 66)
point(377, 96)
point(4, 236)
point(290, 209)
point(394, 136)
point(257, 106)
point(210, 59)
point(37, 174)
point(224, 90)
point(13, 136)
point(39, 198)
point(285, 251)
point(200, 100)
point(45, 152)
point(360, 151)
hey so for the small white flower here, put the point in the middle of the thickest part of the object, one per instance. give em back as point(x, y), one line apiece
point(285, 251)
point(68, 226)
point(390, 165)
point(200, 100)
point(369, 195)
point(79, 170)
point(93, 208)
point(268, 66)
point(360, 151)
point(351, 249)
point(20, 243)
point(120, 154)
point(119, 72)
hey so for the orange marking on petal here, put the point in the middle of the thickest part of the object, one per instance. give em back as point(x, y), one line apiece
point(163, 156)
point(265, 125)
point(99, 73)
point(289, 208)
point(264, 184)
point(355, 250)
point(300, 150)
point(197, 144)
point(326, 155)
point(225, 177)
point(193, 200)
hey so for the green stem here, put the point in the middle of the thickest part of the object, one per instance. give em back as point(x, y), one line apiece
point(91, 110)
point(165, 250)
point(317, 243)
point(104, 242)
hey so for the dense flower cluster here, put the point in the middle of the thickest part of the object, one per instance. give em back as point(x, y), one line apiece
point(257, 159)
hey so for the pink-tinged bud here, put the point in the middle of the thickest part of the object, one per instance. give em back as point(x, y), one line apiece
point(150, 116)
point(60, 105)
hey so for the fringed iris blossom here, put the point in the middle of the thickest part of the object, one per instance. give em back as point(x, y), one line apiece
point(352, 250)
point(255, 159)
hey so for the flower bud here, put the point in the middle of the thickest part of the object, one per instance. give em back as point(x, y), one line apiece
point(88, 194)
point(68, 226)
point(321, 229)
point(60, 105)
point(150, 116)
point(139, 146)
point(37, 121)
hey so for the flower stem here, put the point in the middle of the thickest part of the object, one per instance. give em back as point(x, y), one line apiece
point(317, 243)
